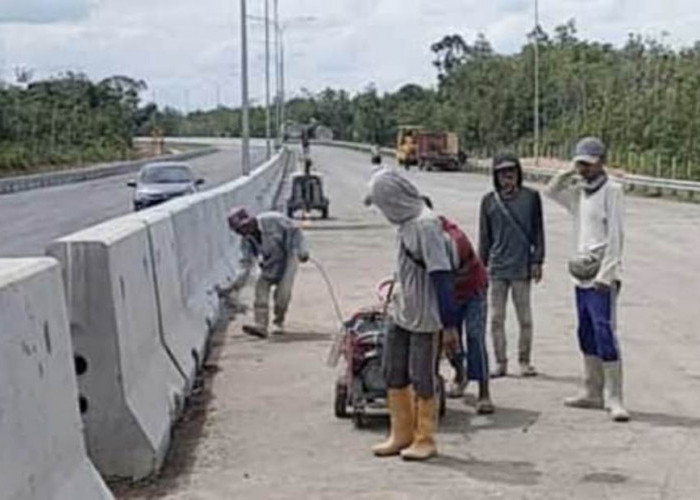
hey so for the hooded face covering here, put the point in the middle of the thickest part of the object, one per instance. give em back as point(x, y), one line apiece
point(396, 197)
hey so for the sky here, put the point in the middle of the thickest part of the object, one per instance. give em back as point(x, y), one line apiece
point(188, 51)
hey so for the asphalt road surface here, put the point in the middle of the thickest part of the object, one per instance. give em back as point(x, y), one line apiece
point(30, 220)
point(264, 428)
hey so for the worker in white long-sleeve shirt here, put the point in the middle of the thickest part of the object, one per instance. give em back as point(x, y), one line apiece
point(597, 205)
point(276, 244)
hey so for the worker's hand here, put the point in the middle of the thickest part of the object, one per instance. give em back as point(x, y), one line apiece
point(304, 258)
point(537, 273)
point(601, 287)
point(450, 340)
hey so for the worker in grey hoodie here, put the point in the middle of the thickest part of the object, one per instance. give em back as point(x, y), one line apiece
point(422, 307)
point(512, 246)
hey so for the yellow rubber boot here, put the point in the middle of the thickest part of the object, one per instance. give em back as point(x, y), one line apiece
point(423, 446)
point(400, 403)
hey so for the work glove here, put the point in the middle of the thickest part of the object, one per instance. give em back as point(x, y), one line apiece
point(304, 258)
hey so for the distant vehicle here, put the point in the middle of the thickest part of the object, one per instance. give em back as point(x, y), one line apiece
point(160, 182)
point(439, 151)
point(307, 195)
point(406, 153)
point(429, 150)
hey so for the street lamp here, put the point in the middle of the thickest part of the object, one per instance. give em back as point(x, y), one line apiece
point(537, 84)
point(279, 66)
point(281, 28)
point(278, 107)
point(245, 119)
point(267, 80)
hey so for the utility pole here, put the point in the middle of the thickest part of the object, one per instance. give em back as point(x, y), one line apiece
point(245, 123)
point(267, 79)
point(282, 89)
point(537, 83)
point(278, 93)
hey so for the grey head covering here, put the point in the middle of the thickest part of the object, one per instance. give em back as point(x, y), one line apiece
point(395, 196)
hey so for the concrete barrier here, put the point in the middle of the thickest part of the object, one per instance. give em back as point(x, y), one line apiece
point(143, 296)
point(37, 181)
point(42, 453)
point(132, 389)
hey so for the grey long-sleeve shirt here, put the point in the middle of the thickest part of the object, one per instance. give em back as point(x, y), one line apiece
point(280, 241)
point(501, 248)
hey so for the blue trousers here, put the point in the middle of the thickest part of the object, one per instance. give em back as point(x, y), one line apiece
point(597, 322)
point(473, 338)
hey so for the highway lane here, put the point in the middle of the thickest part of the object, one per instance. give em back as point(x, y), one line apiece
point(281, 392)
point(32, 219)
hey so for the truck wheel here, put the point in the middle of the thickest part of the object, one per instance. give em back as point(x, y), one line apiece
point(341, 400)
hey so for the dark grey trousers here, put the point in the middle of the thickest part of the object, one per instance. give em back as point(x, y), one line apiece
point(410, 358)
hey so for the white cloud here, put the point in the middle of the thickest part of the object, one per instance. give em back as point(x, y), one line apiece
point(44, 11)
point(189, 51)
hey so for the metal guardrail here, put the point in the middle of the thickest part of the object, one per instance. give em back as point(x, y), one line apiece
point(537, 174)
point(37, 181)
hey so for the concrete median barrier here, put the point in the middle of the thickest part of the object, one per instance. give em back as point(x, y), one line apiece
point(132, 390)
point(143, 296)
point(37, 181)
point(183, 333)
point(42, 453)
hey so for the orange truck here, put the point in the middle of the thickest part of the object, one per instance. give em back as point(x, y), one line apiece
point(429, 150)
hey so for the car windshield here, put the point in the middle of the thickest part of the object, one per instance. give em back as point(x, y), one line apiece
point(166, 175)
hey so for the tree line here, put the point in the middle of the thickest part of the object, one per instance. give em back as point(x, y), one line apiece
point(68, 119)
point(642, 98)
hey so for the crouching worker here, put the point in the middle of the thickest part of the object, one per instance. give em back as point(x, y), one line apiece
point(465, 349)
point(412, 343)
point(276, 244)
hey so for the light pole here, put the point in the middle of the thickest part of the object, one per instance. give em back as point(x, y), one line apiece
point(282, 89)
point(537, 84)
point(245, 119)
point(281, 80)
point(278, 107)
point(267, 79)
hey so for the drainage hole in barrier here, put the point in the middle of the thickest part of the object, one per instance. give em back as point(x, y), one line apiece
point(83, 404)
point(47, 337)
point(81, 364)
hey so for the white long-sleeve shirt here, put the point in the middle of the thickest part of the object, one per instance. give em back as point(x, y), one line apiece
point(598, 223)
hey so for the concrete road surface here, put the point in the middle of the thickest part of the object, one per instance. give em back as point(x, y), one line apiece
point(263, 425)
point(30, 220)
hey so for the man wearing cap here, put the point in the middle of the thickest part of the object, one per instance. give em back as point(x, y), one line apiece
point(277, 244)
point(512, 246)
point(597, 205)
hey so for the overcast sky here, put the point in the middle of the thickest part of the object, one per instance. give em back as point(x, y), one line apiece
point(188, 50)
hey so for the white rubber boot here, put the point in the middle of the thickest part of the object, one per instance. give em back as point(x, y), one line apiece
point(613, 392)
point(592, 395)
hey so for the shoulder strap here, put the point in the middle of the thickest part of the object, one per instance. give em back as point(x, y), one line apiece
point(412, 257)
point(512, 219)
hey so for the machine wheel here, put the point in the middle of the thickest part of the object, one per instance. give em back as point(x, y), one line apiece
point(442, 398)
point(341, 400)
point(358, 420)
